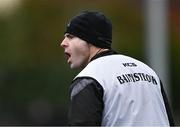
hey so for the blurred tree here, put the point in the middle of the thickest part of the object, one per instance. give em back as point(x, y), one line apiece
point(33, 71)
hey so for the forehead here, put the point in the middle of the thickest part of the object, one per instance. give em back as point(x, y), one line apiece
point(75, 38)
point(68, 34)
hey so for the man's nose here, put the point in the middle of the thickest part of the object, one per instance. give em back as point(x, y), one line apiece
point(64, 43)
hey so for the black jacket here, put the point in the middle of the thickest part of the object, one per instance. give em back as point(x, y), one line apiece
point(86, 105)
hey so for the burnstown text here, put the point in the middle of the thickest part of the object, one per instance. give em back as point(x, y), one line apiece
point(136, 77)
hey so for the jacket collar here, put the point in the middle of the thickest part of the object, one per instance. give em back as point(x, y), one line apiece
point(104, 53)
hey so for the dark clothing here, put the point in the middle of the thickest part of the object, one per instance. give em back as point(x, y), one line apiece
point(86, 105)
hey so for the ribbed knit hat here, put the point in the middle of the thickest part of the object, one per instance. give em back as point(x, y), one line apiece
point(93, 27)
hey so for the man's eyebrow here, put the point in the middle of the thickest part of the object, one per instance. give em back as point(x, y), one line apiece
point(69, 35)
point(66, 34)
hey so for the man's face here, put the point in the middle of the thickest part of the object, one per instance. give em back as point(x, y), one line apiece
point(76, 50)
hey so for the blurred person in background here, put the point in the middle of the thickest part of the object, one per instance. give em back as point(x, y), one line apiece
point(112, 89)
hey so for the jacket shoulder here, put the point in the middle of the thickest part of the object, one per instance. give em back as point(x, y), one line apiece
point(84, 83)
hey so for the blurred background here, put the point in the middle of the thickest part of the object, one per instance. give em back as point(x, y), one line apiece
point(34, 76)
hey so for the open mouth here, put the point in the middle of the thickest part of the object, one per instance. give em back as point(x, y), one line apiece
point(68, 55)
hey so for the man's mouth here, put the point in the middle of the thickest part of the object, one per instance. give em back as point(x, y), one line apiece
point(68, 56)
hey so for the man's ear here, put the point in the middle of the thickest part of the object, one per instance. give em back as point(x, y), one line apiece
point(91, 46)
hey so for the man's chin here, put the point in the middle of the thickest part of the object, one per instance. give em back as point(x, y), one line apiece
point(73, 66)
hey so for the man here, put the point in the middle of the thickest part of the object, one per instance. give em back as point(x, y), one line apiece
point(112, 89)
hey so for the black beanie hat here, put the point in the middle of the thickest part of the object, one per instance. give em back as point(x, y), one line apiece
point(93, 27)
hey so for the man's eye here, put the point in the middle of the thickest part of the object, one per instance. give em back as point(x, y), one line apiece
point(70, 36)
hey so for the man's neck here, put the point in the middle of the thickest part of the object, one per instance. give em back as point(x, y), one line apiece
point(96, 51)
point(103, 53)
